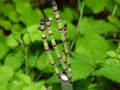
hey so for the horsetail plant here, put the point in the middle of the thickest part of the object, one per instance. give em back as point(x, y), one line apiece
point(65, 76)
point(63, 33)
point(48, 49)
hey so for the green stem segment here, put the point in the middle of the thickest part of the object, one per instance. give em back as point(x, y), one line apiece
point(47, 49)
point(47, 87)
point(56, 48)
point(61, 29)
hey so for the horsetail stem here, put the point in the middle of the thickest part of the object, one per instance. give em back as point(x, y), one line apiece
point(55, 46)
point(65, 29)
point(47, 49)
point(58, 19)
point(47, 87)
point(61, 29)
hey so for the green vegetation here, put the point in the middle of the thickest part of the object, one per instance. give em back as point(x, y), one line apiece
point(92, 47)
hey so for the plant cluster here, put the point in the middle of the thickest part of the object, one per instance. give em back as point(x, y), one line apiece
point(93, 43)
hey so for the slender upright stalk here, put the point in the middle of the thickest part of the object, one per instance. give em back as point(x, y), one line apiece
point(55, 46)
point(114, 10)
point(58, 19)
point(48, 50)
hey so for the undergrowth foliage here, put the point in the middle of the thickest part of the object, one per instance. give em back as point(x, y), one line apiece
point(93, 43)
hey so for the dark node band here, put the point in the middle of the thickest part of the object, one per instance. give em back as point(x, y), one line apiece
point(48, 25)
point(58, 18)
point(59, 57)
point(65, 70)
point(67, 53)
point(54, 45)
point(58, 74)
point(60, 29)
point(41, 22)
point(55, 10)
point(64, 41)
point(53, 3)
point(44, 38)
point(47, 19)
point(65, 61)
point(47, 49)
point(51, 34)
point(69, 64)
point(53, 64)
point(65, 25)
point(42, 30)
point(46, 85)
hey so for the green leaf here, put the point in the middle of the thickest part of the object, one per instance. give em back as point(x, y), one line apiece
point(69, 14)
point(114, 20)
point(6, 8)
point(11, 41)
point(16, 85)
point(6, 73)
point(5, 24)
point(92, 45)
point(95, 5)
point(3, 51)
point(42, 61)
point(24, 78)
point(118, 1)
point(81, 66)
point(27, 38)
point(112, 53)
point(3, 86)
point(13, 17)
point(35, 86)
point(28, 15)
point(14, 60)
point(88, 25)
point(111, 70)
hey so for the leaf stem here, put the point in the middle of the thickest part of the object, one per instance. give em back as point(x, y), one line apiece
point(26, 59)
point(77, 30)
point(114, 10)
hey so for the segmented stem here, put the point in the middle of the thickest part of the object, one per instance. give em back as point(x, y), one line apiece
point(47, 87)
point(61, 29)
point(55, 45)
point(47, 49)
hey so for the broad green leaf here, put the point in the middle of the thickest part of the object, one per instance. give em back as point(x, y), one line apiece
point(42, 61)
point(5, 24)
point(16, 85)
point(28, 15)
point(81, 66)
point(27, 38)
point(35, 86)
point(112, 53)
point(13, 17)
point(88, 25)
point(24, 78)
point(49, 13)
point(53, 79)
point(92, 45)
point(3, 51)
point(111, 70)
point(69, 14)
point(6, 8)
point(11, 41)
point(34, 33)
point(32, 59)
point(6, 73)
point(3, 86)
point(14, 60)
point(114, 20)
point(95, 5)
